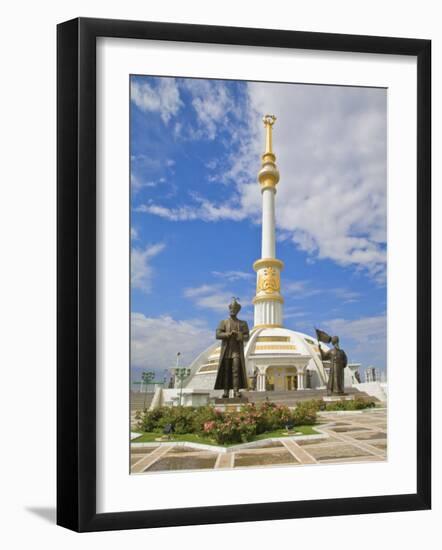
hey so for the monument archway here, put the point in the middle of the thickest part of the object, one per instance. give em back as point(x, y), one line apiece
point(281, 378)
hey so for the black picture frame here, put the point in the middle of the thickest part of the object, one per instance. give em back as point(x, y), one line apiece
point(77, 287)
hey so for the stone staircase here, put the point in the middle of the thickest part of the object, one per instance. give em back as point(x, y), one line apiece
point(140, 401)
point(290, 398)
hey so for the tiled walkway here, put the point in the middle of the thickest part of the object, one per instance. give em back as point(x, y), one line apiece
point(353, 437)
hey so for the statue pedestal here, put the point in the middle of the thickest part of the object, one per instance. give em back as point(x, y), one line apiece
point(230, 404)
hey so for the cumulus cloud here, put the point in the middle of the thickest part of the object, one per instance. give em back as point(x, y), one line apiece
point(213, 105)
point(372, 329)
point(364, 338)
point(138, 183)
point(300, 289)
point(163, 96)
point(214, 297)
point(203, 209)
point(141, 269)
point(346, 295)
point(293, 312)
point(155, 341)
point(305, 289)
point(233, 275)
point(330, 143)
point(331, 151)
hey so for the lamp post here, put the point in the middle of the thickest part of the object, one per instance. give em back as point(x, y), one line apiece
point(181, 373)
point(147, 377)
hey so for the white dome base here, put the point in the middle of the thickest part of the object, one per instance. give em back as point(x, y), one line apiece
point(276, 359)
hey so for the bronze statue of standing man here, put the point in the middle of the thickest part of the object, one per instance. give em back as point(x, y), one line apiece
point(338, 362)
point(232, 366)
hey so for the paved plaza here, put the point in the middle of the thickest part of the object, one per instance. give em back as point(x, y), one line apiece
point(347, 437)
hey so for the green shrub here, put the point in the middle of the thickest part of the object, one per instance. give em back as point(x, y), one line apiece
point(150, 419)
point(251, 420)
point(356, 404)
point(305, 413)
point(229, 427)
point(254, 420)
point(201, 416)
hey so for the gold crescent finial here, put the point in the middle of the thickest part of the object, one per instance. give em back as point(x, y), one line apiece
point(269, 120)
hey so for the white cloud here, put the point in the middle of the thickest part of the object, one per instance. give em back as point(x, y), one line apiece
point(330, 143)
point(163, 98)
point(233, 275)
point(372, 329)
point(213, 297)
point(198, 291)
point(292, 312)
point(212, 164)
point(203, 210)
point(364, 338)
point(346, 295)
point(155, 341)
point(141, 270)
point(304, 289)
point(300, 289)
point(213, 107)
point(331, 151)
point(137, 183)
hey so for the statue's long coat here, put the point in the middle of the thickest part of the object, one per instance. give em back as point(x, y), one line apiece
point(224, 366)
point(338, 362)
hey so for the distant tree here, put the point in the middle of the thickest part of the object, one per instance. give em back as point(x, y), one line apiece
point(147, 377)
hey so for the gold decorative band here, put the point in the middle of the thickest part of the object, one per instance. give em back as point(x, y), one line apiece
point(268, 298)
point(268, 262)
point(276, 347)
point(266, 326)
point(268, 185)
point(268, 157)
point(273, 339)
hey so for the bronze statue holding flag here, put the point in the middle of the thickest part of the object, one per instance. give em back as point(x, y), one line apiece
point(338, 362)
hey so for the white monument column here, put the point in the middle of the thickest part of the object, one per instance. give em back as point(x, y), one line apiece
point(268, 300)
point(261, 381)
point(268, 222)
point(301, 380)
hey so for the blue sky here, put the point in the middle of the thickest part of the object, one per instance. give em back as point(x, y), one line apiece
point(196, 210)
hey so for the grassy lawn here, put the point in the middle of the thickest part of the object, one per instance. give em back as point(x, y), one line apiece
point(151, 437)
point(305, 430)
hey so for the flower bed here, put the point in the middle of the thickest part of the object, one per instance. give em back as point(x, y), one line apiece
point(243, 425)
point(228, 427)
point(356, 404)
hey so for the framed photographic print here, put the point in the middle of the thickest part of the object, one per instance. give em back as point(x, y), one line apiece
point(243, 274)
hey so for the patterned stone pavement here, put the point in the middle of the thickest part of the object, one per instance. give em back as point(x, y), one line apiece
point(353, 437)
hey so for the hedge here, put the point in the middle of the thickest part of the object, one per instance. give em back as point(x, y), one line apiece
point(227, 427)
point(243, 425)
